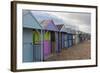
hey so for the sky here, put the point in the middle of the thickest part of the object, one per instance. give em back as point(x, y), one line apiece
point(76, 21)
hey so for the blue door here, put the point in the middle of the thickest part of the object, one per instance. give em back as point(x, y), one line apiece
point(27, 45)
point(59, 42)
point(70, 40)
point(37, 52)
point(56, 40)
point(70, 43)
point(65, 41)
point(36, 46)
point(62, 40)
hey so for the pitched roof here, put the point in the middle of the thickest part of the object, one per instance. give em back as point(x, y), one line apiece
point(29, 21)
point(49, 25)
point(64, 29)
point(60, 26)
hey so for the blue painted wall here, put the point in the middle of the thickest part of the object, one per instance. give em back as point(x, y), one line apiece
point(70, 40)
point(62, 40)
point(31, 52)
point(30, 22)
point(36, 46)
point(65, 41)
point(56, 37)
point(59, 41)
point(37, 53)
point(27, 45)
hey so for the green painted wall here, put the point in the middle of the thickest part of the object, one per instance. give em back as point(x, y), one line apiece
point(47, 35)
point(36, 37)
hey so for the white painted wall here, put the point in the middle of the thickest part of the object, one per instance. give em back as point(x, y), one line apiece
point(5, 37)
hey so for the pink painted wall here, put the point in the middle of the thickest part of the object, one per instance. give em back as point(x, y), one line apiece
point(47, 46)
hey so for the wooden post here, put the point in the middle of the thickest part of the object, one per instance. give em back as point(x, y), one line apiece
point(42, 39)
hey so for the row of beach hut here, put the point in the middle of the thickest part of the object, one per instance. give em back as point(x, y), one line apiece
point(42, 40)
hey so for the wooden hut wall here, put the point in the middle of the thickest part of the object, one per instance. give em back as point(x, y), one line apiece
point(48, 25)
point(74, 39)
point(70, 40)
point(29, 47)
point(65, 41)
point(37, 45)
point(86, 37)
point(47, 44)
point(77, 38)
point(60, 26)
point(56, 38)
point(62, 40)
point(80, 38)
point(59, 40)
point(83, 37)
point(67, 37)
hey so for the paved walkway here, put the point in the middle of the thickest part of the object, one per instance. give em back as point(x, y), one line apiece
point(76, 52)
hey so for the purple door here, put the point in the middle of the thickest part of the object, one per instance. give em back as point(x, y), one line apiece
point(47, 50)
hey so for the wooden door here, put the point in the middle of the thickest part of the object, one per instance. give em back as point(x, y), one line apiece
point(53, 42)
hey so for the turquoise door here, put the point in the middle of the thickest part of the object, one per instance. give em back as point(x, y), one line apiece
point(27, 45)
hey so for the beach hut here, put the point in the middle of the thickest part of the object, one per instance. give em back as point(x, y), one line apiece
point(87, 36)
point(81, 36)
point(47, 44)
point(77, 37)
point(70, 35)
point(60, 36)
point(65, 42)
point(63, 36)
point(70, 39)
point(32, 48)
point(67, 37)
point(73, 33)
point(50, 42)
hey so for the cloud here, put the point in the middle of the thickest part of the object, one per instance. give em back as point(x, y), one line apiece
point(76, 21)
point(41, 15)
